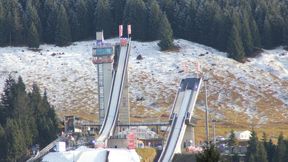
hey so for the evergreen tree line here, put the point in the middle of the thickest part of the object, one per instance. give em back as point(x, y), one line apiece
point(236, 26)
point(26, 119)
point(33, 22)
point(265, 151)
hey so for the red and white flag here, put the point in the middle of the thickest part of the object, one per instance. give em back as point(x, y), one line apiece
point(129, 29)
point(120, 30)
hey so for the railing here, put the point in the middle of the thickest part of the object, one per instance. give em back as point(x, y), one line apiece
point(44, 151)
point(131, 124)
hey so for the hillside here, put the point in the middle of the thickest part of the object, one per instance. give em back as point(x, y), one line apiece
point(241, 95)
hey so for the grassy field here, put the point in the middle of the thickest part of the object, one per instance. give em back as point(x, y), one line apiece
point(234, 120)
point(238, 121)
point(147, 154)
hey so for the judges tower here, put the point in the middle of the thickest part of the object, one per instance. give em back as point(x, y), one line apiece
point(103, 58)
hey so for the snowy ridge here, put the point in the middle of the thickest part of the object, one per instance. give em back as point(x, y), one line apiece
point(70, 78)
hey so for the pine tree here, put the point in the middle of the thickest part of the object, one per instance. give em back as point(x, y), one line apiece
point(3, 147)
point(167, 6)
point(74, 25)
point(261, 154)
point(135, 13)
point(264, 140)
point(39, 114)
point(217, 30)
point(247, 39)
point(210, 154)
point(45, 117)
point(15, 141)
point(91, 5)
point(277, 24)
point(284, 13)
point(232, 139)
point(51, 118)
point(33, 37)
point(266, 37)
point(3, 114)
point(24, 114)
point(103, 18)
point(259, 15)
point(255, 33)
point(166, 34)
point(189, 29)
point(83, 19)
point(286, 153)
point(33, 17)
point(232, 142)
point(35, 98)
point(117, 8)
point(270, 151)
point(62, 31)
point(14, 24)
point(204, 22)
point(154, 15)
point(256, 151)
point(179, 13)
point(235, 46)
point(201, 23)
point(280, 149)
point(34, 104)
point(221, 39)
point(3, 40)
point(285, 34)
point(251, 154)
point(7, 100)
point(49, 21)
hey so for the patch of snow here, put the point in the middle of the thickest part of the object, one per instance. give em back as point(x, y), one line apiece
point(91, 155)
point(70, 77)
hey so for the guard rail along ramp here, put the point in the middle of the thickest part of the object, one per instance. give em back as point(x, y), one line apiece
point(44, 151)
point(183, 111)
point(118, 77)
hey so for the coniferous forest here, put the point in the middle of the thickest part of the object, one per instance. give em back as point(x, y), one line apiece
point(258, 150)
point(26, 119)
point(236, 26)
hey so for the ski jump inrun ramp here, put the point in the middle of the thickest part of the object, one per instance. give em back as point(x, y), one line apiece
point(182, 112)
point(115, 96)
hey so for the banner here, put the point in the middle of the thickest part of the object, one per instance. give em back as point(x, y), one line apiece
point(129, 29)
point(131, 140)
point(120, 30)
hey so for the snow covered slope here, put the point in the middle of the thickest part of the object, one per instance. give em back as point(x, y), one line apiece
point(85, 154)
point(257, 89)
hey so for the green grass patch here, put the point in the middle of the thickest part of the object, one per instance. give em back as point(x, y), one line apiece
point(147, 154)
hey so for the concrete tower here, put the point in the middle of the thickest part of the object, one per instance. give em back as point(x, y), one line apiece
point(103, 58)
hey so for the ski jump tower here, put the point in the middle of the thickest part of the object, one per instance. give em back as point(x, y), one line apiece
point(104, 57)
